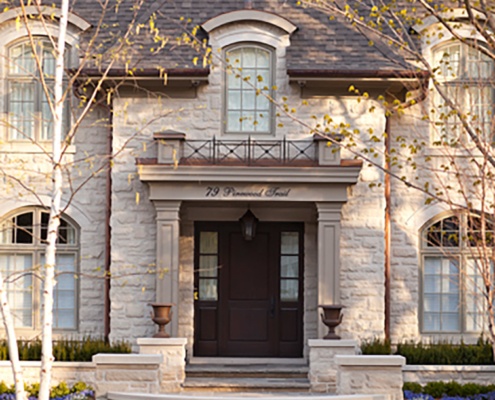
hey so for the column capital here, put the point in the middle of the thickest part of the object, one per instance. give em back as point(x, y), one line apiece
point(329, 211)
point(167, 210)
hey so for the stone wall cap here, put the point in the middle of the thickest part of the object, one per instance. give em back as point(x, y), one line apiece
point(128, 359)
point(332, 343)
point(448, 368)
point(56, 364)
point(370, 361)
point(233, 396)
point(169, 135)
point(162, 341)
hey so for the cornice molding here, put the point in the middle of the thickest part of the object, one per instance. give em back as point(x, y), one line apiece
point(249, 15)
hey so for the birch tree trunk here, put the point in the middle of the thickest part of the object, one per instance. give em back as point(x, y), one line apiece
point(55, 209)
point(8, 322)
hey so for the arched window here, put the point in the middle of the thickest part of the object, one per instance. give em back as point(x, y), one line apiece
point(248, 78)
point(465, 74)
point(453, 260)
point(30, 117)
point(22, 254)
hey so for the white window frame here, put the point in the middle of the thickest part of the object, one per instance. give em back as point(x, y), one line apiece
point(234, 71)
point(37, 135)
point(447, 127)
point(462, 254)
point(36, 250)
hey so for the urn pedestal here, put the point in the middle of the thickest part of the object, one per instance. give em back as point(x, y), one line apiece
point(331, 317)
point(161, 315)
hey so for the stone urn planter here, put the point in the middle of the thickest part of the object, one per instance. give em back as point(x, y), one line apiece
point(331, 317)
point(161, 315)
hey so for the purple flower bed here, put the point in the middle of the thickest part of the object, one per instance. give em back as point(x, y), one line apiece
point(82, 395)
point(408, 395)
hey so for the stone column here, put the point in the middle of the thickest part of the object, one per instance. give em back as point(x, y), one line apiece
point(370, 375)
point(173, 367)
point(328, 256)
point(167, 257)
point(322, 367)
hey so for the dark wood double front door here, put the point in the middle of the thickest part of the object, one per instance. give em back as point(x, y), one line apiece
point(248, 293)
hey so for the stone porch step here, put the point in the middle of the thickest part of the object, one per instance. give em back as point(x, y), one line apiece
point(287, 371)
point(243, 384)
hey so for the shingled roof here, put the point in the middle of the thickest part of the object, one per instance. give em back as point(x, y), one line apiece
point(318, 46)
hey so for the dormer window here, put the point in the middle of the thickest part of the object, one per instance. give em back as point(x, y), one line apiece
point(248, 82)
point(30, 116)
point(465, 76)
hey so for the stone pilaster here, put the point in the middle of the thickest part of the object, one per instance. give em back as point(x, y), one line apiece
point(328, 255)
point(167, 257)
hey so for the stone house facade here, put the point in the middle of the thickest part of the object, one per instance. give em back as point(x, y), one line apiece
point(201, 155)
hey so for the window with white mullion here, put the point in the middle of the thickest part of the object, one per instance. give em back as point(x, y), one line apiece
point(480, 101)
point(64, 293)
point(208, 266)
point(289, 266)
point(30, 115)
point(248, 80)
point(22, 110)
point(455, 256)
point(465, 77)
point(22, 248)
point(441, 295)
point(17, 271)
point(475, 294)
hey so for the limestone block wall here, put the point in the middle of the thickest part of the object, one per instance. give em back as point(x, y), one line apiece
point(370, 375)
point(186, 282)
point(127, 373)
point(69, 372)
point(311, 316)
point(84, 199)
point(422, 374)
point(406, 204)
point(362, 244)
point(173, 365)
point(91, 139)
point(322, 365)
point(133, 225)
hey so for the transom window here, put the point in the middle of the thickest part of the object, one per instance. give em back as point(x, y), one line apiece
point(454, 260)
point(248, 81)
point(29, 114)
point(22, 255)
point(465, 75)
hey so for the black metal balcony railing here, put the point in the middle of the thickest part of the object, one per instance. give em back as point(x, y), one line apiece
point(250, 152)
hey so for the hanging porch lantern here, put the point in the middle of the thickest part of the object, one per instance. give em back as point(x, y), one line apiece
point(248, 225)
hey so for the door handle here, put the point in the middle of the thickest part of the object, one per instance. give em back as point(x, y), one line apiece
point(272, 307)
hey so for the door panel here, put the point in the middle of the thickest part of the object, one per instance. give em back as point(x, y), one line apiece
point(249, 268)
point(242, 328)
point(251, 303)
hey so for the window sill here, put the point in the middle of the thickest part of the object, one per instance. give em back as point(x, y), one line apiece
point(32, 148)
point(245, 135)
